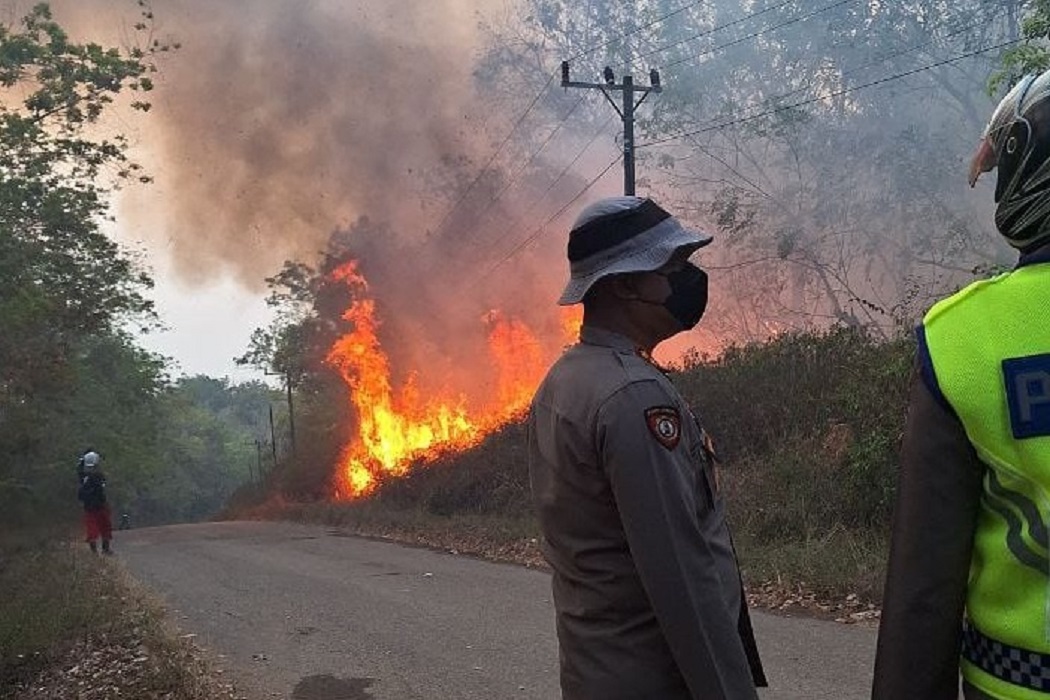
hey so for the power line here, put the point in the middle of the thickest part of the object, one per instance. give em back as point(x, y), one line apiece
point(539, 229)
point(706, 32)
point(712, 156)
point(535, 100)
point(852, 71)
point(713, 30)
point(528, 110)
point(516, 177)
point(624, 35)
point(831, 95)
point(446, 218)
point(753, 35)
point(799, 18)
point(890, 55)
point(562, 174)
point(794, 20)
point(579, 155)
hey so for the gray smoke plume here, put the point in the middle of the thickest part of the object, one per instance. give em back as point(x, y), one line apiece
point(278, 123)
point(280, 130)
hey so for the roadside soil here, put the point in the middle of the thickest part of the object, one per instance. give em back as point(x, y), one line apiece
point(133, 653)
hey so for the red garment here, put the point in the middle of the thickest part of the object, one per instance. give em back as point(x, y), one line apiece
point(97, 524)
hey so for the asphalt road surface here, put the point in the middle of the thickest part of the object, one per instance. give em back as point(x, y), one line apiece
point(306, 613)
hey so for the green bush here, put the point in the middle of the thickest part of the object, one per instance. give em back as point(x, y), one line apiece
point(807, 427)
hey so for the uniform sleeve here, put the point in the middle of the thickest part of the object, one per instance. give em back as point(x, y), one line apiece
point(938, 494)
point(656, 492)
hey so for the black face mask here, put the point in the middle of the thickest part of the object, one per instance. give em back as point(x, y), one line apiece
point(688, 299)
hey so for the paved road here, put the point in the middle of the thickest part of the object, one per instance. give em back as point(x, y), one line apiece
point(304, 613)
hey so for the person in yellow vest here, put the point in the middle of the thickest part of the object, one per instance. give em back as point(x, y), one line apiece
point(968, 582)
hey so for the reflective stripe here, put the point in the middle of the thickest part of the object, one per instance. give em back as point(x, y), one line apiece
point(1014, 665)
point(1030, 519)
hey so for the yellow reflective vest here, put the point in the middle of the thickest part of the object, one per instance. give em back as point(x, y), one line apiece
point(987, 350)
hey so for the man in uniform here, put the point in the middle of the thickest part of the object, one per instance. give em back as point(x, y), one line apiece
point(647, 592)
point(973, 505)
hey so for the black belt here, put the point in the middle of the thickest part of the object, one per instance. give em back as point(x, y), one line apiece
point(1015, 665)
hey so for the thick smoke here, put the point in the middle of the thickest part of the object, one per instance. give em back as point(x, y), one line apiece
point(281, 128)
point(278, 122)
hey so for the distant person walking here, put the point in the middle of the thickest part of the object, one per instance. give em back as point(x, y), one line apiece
point(647, 592)
point(92, 494)
point(968, 583)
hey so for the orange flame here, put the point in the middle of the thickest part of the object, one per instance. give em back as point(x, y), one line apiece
point(571, 322)
point(396, 428)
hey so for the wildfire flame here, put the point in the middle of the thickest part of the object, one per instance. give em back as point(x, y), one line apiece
point(399, 426)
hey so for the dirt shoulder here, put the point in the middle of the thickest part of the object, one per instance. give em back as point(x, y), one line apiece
point(77, 626)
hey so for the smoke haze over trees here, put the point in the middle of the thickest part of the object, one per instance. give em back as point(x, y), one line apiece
point(849, 209)
point(285, 131)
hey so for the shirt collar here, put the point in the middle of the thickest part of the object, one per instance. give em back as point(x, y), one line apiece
point(1037, 256)
point(592, 335)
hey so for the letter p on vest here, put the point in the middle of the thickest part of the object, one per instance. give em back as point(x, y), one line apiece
point(1028, 393)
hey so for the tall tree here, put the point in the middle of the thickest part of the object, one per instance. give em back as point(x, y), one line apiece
point(66, 289)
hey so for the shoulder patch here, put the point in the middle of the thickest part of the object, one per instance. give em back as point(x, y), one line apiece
point(1028, 394)
point(665, 424)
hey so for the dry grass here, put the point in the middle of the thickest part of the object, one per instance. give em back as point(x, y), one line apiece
point(74, 625)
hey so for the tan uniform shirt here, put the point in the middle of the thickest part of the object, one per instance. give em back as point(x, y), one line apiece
point(646, 586)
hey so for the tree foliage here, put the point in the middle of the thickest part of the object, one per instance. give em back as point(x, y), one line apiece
point(1032, 56)
point(309, 305)
point(61, 277)
point(71, 375)
point(824, 143)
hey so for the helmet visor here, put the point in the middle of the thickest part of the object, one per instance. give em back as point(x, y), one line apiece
point(984, 160)
point(992, 141)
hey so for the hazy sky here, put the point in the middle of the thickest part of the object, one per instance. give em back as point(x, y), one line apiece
point(209, 324)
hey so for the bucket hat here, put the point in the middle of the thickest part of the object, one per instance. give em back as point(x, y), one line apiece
point(623, 234)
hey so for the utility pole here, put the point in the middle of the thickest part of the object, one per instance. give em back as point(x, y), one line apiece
point(625, 110)
point(258, 458)
point(287, 375)
point(291, 412)
point(273, 438)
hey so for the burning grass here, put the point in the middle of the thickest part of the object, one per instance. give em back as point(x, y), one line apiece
point(397, 426)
